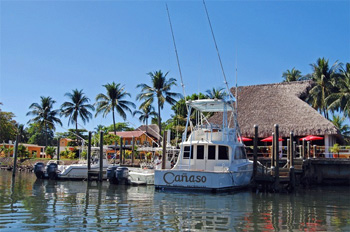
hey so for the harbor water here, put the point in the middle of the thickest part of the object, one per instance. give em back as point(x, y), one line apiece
point(28, 204)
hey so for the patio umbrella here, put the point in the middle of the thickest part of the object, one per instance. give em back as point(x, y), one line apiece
point(311, 138)
point(270, 138)
point(245, 139)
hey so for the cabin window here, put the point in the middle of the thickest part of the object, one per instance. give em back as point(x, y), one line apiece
point(200, 152)
point(240, 153)
point(223, 153)
point(211, 152)
point(188, 151)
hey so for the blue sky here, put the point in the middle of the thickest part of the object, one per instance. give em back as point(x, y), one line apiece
point(49, 48)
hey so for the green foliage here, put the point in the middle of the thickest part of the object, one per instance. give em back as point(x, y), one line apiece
point(119, 126)
point(109, 139)
point(335, 149)
point(44, 116)
point(113, 101)
point(50, 151)
point(37, 135)
point(22, 151)
point(8, 129)
point(72, 143)
point(83, 154)
point(292, 75)
point(160, 89)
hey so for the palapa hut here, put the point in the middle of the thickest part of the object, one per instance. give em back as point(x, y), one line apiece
point(282, 104)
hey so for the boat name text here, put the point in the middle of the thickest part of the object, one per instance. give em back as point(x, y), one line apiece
point(170, 178)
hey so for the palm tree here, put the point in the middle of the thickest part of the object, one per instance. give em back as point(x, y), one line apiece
point(113, 101)
point(145, 113)
point(323, 76)
point(159, 89)
point(78, 106)
point(100, 127)
point(340, 100)
point(291, 75)
point(216, 93)
point(44, 115)
point(339, 123)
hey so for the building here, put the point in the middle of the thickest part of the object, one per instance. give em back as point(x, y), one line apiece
point(282, 104)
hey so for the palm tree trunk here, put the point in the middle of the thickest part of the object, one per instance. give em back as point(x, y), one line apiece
point(159, 123)
point(76, 130)
point(115, 130)
point(46, 135)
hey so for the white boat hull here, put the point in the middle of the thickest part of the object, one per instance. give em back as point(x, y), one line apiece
point(142, 177)
point(209, 180)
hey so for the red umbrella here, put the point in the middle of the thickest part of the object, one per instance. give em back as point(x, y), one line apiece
point(311, 138)
point(245, 139)
point(270, 138)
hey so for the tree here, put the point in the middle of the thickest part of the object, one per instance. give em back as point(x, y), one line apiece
point(113, 101)
point(23, 134)
point(8, 127)
point(78, 106)
point(37, 135)
point(50, 151)
point(323, 76)
point(145, 112)
point(100, 127)
point(44, 115)
point(119, 126)
point(344, 129)
point(216, 93)
point(159, 89)
point(340, 99)
point(291, 75)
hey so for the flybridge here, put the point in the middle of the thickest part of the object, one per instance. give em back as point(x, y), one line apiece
point(211, 105)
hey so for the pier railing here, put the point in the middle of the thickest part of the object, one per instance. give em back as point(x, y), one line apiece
point(312, 152)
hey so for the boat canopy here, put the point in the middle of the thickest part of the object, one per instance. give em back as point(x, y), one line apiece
point(211, 105)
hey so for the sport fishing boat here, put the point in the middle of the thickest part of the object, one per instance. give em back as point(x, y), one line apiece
point(56, 169)
point(212, 157)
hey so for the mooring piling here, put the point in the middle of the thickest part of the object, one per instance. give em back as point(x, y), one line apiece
point(15, 156)
point(100, 176)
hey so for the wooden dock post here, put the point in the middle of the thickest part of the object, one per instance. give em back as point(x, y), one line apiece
point(277, 174)
point(164, 150)
point(303, 149)
point(273, 151)
point(314, 149)
point(291, 158)
point(121, 151)
point(288, 153)
point(308, 149)
point(132, 151)
point(15, 156)
point(89, 152)
point(255, 152)
point(100, 176)
point(58, 149)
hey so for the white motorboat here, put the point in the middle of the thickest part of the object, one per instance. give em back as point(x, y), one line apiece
point(56, 169)
point(211, 158)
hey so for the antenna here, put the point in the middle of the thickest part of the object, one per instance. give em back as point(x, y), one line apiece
point(223, 72)
point(177, 56)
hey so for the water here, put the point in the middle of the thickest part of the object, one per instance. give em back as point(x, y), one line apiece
point(35, 205)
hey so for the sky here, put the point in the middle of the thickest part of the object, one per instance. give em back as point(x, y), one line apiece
point(49, 48)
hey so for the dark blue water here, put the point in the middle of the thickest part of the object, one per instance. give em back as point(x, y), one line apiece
point(35, 205)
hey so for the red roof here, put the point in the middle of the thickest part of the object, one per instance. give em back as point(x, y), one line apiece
point(129, 134)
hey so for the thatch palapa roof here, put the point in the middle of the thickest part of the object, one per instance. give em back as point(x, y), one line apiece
point(282, 104)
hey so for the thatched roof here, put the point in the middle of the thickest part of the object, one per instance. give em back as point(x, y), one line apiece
point(282, 104)
point(152, 130)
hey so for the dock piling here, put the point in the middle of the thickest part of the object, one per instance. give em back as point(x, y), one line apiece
point(121, 151)
point(164, 150)
point(100, 176)
point(15, 156)
point(89, 152)
point(277, 174)
point(255, 154)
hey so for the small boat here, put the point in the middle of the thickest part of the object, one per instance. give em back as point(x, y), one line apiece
point(143, 175)
point(56, 169)
point(212, 158)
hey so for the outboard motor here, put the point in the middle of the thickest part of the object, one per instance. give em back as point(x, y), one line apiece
point(122, 175)
point(39, 170)
point(51, 171)
point(111, 175)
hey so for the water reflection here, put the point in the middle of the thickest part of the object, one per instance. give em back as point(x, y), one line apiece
point(31, 204)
